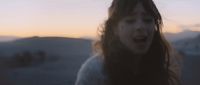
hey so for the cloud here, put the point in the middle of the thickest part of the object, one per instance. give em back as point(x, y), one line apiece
point(196, 25)
point(193, 27)
point(185, 27)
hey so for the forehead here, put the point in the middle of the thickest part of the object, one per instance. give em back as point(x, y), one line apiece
point(139, 10)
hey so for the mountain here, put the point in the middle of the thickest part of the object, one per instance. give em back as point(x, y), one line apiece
point(8, 38)
point(189, 46)
point(43, 60)
point(55, 45)
point(181, 35)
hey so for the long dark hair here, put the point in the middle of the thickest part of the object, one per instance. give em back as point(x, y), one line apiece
point(154, 66)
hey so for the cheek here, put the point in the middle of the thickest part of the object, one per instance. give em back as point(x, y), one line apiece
point(125, 28)
point(151, 33)
point(125, 31)
point(124, 34)
point(150, 29)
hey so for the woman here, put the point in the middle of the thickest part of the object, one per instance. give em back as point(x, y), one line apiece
point(133, 49)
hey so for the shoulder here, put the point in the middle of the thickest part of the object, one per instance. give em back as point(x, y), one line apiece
point(176, 61)
point(91, 72)
point(175, 66)
point(92, 64)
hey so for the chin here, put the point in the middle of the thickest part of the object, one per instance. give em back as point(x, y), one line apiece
point(140, 51)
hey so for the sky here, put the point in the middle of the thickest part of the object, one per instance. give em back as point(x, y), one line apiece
point(82, 18)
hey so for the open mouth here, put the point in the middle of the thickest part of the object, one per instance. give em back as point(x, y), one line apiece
point(140, 39)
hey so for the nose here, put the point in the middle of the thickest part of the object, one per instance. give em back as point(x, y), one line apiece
point(139, 25)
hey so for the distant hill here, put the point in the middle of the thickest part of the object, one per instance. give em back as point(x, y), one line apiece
point(189, 46)
point(55, 45)
point(63, 58)
point(8, 38)
point(182, 35)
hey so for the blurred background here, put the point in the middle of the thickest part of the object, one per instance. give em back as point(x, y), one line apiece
point(44, 42)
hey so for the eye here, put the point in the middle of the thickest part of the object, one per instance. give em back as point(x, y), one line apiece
point(148, 19)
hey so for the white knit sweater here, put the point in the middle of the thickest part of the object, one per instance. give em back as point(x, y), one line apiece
point(91, 72)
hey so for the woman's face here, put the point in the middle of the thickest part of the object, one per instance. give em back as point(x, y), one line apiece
point(136, 30)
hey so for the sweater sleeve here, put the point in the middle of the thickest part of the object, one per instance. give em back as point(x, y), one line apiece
point(175, 68)
point(91, 73)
